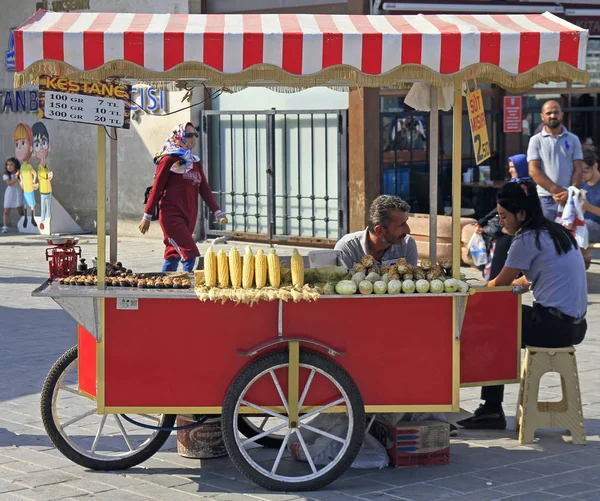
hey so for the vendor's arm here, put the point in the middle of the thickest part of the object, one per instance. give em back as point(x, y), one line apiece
point(506, 276)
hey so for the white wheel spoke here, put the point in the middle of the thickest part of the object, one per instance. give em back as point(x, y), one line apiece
point(264, 434)
point(264, 410)
point(123, 432)
point(305, 449)
point(306, 387)
point(321, 432)
point(279, 390)
point(64, 387)
point(321, 409)
point(79, 418)
point(281, 450)
point(98, 433)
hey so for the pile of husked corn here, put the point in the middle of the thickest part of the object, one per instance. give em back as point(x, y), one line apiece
point(249, 279)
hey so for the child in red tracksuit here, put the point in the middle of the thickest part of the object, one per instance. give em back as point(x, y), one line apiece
point(179, 178)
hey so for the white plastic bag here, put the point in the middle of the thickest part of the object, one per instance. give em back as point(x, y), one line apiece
point(571, 216)
point(323, 450)
point(478, 250)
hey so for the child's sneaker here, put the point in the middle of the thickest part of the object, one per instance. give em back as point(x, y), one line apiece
point(5, 229)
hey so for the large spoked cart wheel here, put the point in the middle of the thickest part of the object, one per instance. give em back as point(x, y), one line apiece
point(317, 446)
point(92, 440)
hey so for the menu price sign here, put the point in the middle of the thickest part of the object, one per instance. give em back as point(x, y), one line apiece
point(481, 142)
point(97, 103)
point(513, 115)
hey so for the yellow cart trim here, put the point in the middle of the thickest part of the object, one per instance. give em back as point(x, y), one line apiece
point(293, 382)
point(101, 233)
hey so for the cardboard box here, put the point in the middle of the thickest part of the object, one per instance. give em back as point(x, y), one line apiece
point(418, 443)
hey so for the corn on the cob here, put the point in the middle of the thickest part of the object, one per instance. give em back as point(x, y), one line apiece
point(260, 269)
point(274, 269)
point(235, 268)
point(248, 269)
point(223, 269)
point(297, 264)
point(210, 268)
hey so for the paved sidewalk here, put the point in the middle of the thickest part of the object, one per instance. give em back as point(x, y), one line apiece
point(485, 466)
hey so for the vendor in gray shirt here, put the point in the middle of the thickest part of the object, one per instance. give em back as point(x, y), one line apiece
point(553, 268)
point(555, 160)
point(386, 238)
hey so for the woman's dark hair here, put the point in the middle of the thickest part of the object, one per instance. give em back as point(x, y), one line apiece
point(17, 165)
point(522, 196)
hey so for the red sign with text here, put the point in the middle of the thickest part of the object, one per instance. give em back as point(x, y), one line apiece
point(513, 116)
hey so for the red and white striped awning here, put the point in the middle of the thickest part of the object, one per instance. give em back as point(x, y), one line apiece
point(303, 49)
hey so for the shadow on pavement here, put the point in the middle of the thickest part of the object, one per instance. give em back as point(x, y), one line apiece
point(31, 340)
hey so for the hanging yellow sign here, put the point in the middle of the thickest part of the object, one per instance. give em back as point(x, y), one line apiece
point(481, 141)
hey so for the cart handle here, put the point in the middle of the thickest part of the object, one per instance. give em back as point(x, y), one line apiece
point(280, 340)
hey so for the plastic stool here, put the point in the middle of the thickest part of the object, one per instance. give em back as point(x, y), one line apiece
point(533, 415)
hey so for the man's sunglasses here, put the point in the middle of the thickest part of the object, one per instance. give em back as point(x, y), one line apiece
point(587, 169)
point(192, 134)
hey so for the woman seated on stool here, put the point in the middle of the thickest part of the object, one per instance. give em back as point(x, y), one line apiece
point(553, 268)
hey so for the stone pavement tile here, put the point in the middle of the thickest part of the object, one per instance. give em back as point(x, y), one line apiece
point(418, 492)
point(587, 496)
point(49, 459)
point(5, 459)
point(20, 467)
point(505, 474)
point(548, 466)
point(46, 477)
point(328, 494)
point(462, 483)
point(572, 489)
point(11, 497)
point(111, 496)
point(546, 482)
point(166, 479)
point(359, 486)
point(9, 486)
point(88, 486)
point(239, 496)
point(482, 495)
point(51, 492)
point(154, 491)
point(581, 458)
point(534, 496)
point(204, 488)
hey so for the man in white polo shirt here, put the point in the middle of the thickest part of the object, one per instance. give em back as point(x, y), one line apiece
point(386, 238)
point(555, 160)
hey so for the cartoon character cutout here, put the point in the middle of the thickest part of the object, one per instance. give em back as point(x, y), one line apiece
point(28, 178)
point(41, 150)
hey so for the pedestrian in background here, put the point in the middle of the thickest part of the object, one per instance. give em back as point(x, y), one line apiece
point(178, 181)
point(555, 160)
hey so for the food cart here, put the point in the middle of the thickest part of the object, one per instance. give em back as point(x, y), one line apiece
point(148, 355)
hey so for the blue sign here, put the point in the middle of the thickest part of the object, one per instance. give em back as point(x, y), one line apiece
point(10, 54)
point(152, 100)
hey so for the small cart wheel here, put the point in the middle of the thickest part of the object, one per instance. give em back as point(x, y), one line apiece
point(92, 440)
point(280, 471)
point(250, 427)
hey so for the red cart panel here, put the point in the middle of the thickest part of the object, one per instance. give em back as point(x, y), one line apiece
point(490, 340)
point(397, 350)
point(180, 353)
point(86, 361)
